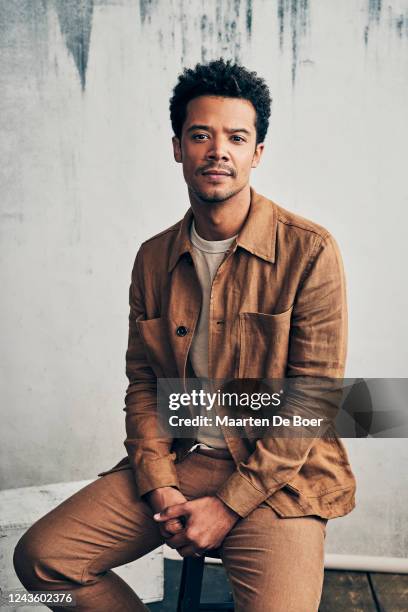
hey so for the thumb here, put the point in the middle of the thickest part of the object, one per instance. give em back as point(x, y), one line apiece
point(171, 512)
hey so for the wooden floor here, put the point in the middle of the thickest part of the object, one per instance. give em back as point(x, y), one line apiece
point(342, 591)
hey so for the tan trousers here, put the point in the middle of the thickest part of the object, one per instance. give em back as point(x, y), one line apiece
point(274, 564)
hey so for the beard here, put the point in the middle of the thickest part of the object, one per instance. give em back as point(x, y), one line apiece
point(215, 195)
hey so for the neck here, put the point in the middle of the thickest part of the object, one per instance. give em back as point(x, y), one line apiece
point(221, 220)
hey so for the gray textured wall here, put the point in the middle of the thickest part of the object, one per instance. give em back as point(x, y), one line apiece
point(87, 174)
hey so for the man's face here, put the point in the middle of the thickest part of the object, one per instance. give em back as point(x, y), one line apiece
point(218, 147)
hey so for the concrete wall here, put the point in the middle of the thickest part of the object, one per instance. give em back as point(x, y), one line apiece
point(87, 174)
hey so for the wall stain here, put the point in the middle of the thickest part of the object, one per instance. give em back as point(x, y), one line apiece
point(22, 20)
point(396, 21)
point(75, 20)
point(296, 12)
point(205, 30)
point(249, 18)
point(146, 8)
point(184, 36)
point(399, 22)
point(374, 10)
point(224, 26)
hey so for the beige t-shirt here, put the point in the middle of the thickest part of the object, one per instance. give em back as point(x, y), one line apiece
point(207, 255)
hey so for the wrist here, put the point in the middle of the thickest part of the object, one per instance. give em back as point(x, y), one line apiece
point(232, 514)
point(160, 498)
point(160, 491)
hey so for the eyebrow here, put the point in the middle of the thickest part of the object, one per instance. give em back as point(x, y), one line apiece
point(207, 128)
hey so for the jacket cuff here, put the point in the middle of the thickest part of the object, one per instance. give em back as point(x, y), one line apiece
point(240, 495)
point(150, 475)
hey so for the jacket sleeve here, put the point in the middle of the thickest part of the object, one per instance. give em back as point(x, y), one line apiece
point(317, 352)
point(149, 454)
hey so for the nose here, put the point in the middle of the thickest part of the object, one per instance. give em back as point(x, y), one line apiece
point(218, 150)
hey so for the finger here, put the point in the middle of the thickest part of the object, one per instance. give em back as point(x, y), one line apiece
point(175, 541)
point(172, 512)
point(164, 533)
point(168, 533)
point(173, 526)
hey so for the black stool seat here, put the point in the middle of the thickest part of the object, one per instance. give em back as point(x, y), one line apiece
point(191, 583)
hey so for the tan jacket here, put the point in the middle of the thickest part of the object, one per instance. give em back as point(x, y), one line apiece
point(278, 308)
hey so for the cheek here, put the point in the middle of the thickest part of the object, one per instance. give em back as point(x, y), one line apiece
point(188, 167)
point(191, 158)
point(244, 163)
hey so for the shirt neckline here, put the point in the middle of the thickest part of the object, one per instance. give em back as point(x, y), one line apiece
point(209, 246)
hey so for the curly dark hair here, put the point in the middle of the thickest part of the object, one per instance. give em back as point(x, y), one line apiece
point(221, 78)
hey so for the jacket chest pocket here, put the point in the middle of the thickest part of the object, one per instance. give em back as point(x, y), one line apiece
point(264, 343)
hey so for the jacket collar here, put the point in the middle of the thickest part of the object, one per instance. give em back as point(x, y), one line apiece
point(257, 235)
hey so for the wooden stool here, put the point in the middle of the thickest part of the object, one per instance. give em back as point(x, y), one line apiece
point(191, 583)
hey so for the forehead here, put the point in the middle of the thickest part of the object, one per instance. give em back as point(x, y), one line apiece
point(219, 111)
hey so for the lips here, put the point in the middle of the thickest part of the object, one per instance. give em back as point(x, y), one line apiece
point(216, 177)
point(216, 173)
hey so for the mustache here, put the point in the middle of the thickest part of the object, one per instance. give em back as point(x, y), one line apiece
point(219, 168)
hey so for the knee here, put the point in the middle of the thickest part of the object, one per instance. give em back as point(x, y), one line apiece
point(24, 557)
point(43, 556)
point(27, 559)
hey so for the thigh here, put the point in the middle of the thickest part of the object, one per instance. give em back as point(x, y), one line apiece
point(275, 564)
point(104, 525)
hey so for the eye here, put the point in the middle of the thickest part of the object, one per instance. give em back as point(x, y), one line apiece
point(199, 136)
point(237, 138)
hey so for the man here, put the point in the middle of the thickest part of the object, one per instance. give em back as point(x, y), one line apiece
point(239, 288)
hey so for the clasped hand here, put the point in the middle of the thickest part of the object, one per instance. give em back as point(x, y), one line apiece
point(197, 525)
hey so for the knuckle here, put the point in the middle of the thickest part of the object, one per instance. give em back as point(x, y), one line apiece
point(173, 525)
point(191, 533)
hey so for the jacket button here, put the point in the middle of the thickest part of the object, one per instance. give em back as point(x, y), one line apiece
point(181, 330)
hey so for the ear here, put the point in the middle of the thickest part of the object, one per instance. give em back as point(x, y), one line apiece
point(177, 149)
point(257, 155)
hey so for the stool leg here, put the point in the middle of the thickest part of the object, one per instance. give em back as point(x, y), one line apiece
point(212, 607)
point(190, 585)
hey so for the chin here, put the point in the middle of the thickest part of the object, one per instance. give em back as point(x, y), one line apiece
point(214, 195)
